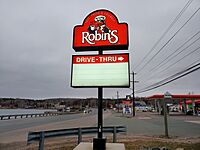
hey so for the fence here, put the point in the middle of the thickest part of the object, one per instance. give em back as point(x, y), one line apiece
point(40, 136)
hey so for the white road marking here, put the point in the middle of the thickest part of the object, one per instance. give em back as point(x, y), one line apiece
point(198, 122)
point(144, 118)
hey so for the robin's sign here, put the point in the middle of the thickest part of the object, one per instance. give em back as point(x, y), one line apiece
point(100, 30)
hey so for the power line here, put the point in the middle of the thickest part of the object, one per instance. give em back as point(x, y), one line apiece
point(179, 73)
point(171, 55)
point(171, 80)
point(185, 69)
point(168, 40)
point(169, 66)
point(166, 31)
point(194, 62)
point(164, 70)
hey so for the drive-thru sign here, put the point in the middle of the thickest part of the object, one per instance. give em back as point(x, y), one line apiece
point(109, 70)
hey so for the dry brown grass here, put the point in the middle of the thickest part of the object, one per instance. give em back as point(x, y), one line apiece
point(131, 143)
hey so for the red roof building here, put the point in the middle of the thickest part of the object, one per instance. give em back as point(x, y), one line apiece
point(184, 100)
point(161, 96)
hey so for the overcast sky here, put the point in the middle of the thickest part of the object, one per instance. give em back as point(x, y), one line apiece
point(36, 45)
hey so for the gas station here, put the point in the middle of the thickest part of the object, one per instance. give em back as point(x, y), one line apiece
point(182, 99)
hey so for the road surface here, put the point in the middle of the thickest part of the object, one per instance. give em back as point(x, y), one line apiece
point(152, 124)
point(145, 123)
point(15, 130)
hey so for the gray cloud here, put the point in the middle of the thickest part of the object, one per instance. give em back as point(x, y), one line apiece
point(36, 44)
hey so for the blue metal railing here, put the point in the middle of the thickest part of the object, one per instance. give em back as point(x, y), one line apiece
point(40, 136)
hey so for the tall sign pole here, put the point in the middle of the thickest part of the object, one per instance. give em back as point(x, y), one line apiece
point(100, 113)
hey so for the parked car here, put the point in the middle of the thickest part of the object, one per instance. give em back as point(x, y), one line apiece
point(189, 112)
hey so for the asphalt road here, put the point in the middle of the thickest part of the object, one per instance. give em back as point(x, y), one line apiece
point(14, 130)
point(15, 124)
point(146, 123)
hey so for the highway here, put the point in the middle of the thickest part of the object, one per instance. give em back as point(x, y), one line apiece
point(17, 129)
point(15, 124)
point(144, 123)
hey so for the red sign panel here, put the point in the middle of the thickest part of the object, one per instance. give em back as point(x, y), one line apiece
point(108, 58)
point(100, 30)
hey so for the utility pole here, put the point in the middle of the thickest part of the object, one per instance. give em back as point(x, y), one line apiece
point(165, 118)
point(133, 94)
point(167, 95)
point(133, 91)
point(118, 100)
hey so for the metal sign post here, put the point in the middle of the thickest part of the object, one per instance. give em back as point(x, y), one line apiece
point(100, 113)
point(99, 143)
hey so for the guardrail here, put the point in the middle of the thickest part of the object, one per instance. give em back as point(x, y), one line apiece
point(4, 117)
point(40, 136)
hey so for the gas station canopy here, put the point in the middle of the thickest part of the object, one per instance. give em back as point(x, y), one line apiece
point(187, 96)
